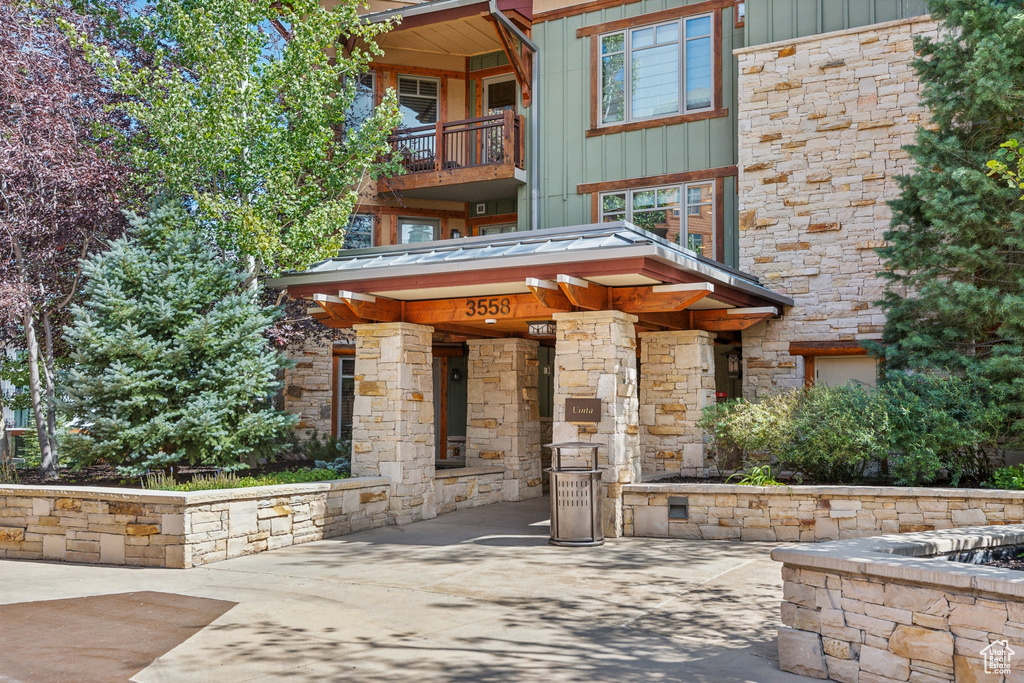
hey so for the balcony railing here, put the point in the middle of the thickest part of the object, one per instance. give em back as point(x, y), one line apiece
point(449, 145)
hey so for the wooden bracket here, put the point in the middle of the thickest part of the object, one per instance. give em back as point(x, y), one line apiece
point(549, 294)
point(369, 307)
point(732, 319)
point(583, 293)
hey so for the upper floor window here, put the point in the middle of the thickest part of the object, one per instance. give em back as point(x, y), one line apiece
point(669, 66)
point(684, 214)
point(362, 105)
point(359, 233)
point(418, 100)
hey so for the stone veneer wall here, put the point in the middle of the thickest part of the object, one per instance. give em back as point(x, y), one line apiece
point(879, 610)
point(677, 380)
point(468, 487)
point(595, 357)
point(503, 413)
point(393, 416)
point(822, 122)
point(181, 530)
point(811, 513)
point(308, 390)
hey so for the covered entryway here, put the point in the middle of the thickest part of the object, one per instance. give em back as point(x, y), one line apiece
point(633, 319)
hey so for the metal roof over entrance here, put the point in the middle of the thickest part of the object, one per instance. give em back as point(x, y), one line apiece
point(590, 267)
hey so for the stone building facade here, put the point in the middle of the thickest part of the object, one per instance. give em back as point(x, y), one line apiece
point(822, 125)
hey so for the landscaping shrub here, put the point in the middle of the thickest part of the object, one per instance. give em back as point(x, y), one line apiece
point(161, 481)
point(837, 433)
point(943, 422)
point(1011, 478)
point(915, 427)
point(745, 431)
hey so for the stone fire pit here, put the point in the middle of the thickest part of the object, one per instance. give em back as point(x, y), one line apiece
point(897, 608)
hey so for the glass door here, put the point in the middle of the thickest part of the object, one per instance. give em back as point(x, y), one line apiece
point(499, 96)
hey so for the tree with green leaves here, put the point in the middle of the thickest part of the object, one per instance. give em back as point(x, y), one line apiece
point(245, 111)
point(171, 364)
point(954, 262)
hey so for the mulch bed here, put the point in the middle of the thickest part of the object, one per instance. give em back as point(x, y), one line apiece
point(106, 475)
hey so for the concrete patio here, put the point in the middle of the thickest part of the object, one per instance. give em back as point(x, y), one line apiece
point(476, 595)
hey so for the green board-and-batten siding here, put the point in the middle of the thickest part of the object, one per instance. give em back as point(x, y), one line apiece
point(569, 158)
point(769, 21)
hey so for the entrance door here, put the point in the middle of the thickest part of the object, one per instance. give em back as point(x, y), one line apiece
point(499, 95)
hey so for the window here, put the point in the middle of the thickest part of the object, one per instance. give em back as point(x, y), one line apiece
point(497, 229)
point(362, 105)
point(344, 396)
point(659, 210)
point(414, 230)
point(834, 371)
point(417, 100)
point(359, 233)
point(663, 61)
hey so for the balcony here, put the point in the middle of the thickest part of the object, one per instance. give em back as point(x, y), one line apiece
point(468, 160)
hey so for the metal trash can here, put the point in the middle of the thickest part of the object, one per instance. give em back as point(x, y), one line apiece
point(575, 498)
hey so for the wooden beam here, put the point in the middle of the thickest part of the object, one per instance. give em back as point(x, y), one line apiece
point(583, 293)
point(338, 314)
point(443, 313)
point(827, 348)
point(664, 321)
point(549, 294)
point(369, 307)
point(732, 319)
point(469, 331)
point(659, 298)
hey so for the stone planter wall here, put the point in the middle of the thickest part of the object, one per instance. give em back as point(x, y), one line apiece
point(467, 487)
point(876, 610)
point(809, 513)
point(181, 530)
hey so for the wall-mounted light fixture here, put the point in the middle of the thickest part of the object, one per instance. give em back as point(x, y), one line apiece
point(542, 328)
point(734, 360)
point(456, 234)
point(456, 375)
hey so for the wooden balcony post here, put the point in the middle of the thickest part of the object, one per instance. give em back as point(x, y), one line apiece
point(438, 146)
point(507, 146)
point(521, 151)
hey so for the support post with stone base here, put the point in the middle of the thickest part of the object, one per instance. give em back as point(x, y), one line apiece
point(503, 413)
point(677, 380)
point(595, 357)
point(393, 415)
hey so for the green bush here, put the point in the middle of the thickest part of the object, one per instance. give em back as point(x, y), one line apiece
point(837, 433)
point(943, 422)
point(1011, 478)
point(745, 431)
point(914, 427)
point(160, 481)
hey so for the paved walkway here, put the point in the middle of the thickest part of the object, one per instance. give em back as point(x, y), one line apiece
point(476, 595)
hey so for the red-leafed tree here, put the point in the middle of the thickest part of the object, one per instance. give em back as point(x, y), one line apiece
point(61, 182)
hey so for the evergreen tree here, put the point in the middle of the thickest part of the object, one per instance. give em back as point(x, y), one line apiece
point(171, 364)
point(955, 260)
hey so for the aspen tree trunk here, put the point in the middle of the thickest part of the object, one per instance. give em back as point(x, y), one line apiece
point(51, 468)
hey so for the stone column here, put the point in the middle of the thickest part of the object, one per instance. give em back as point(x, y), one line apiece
point(595, 357)
point(503, 413)
point(393, 416)
point(677, 379)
